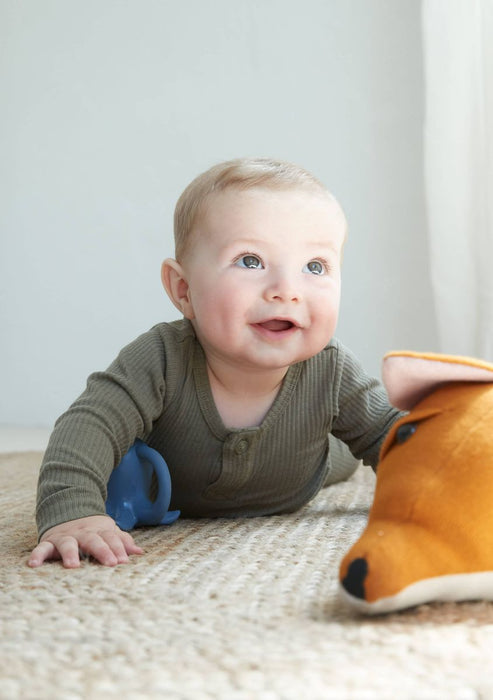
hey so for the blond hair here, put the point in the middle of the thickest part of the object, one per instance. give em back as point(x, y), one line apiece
point(240, 174)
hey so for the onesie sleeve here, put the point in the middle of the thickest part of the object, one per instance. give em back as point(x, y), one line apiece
point(91, 437)
point(361, 409)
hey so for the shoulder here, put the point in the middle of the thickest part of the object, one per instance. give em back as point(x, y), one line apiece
point(157, 345)
point(178, 346)
point(165, 334)
point(332, 358)
point(343, 358)
point(338, 364)
point(173, 332)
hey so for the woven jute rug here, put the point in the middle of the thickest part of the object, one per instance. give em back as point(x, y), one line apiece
point(226, 609)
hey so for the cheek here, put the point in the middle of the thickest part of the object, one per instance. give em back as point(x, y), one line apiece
point(326, 301)
point(325, 311)
point(230, 291)
point(218, 300)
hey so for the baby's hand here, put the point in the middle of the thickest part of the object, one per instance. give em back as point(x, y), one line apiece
point(97, 535)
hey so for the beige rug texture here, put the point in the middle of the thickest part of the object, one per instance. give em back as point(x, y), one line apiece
point(223, 609)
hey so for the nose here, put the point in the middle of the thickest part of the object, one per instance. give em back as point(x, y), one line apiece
point(282, 287)
point(354, 582)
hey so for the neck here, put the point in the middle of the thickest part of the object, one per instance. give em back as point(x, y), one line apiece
point(243, 398)
point(245, 382)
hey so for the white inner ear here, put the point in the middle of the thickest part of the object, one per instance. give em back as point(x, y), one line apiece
point(410, 379)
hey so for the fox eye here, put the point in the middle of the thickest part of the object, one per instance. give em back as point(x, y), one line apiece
point(405, 431)
point(314, 267)
point(250, 261)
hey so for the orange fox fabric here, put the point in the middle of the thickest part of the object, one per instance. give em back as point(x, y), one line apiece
point(432, 513)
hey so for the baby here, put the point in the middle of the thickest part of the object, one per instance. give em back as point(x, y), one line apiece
point(241, 394)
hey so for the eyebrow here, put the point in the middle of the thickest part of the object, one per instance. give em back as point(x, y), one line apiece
point(322, 244)
point(259, 241)
point(248, 241)
point(319, 245)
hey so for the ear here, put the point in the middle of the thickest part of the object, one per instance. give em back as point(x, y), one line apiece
point(410, 376)
point(176, 286)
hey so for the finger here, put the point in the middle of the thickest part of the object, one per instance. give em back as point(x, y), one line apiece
point(94, 545)
point(114, 541)
point(130, 545)
point(68, 549)
point(121, 544)
point(43, 552)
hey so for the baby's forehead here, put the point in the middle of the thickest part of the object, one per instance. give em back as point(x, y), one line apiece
point(250, 197)
point(256, 213)
point(234, 214)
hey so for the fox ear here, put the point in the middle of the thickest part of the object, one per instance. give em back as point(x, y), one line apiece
point(410, 376)
point(176, 286)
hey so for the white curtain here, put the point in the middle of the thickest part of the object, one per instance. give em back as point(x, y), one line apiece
point(458, 151)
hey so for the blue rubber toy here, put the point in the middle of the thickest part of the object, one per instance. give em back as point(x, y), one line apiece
point(128, 501)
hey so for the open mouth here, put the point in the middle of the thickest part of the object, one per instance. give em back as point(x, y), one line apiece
point(277, 325)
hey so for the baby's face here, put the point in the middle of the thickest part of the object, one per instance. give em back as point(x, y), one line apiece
point(264, 276)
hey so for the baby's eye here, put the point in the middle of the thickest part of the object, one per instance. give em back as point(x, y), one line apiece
point(250, 261)
point(315, 267)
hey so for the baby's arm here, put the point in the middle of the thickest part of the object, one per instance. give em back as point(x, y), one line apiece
point(97, 535)
point(363, 414)
point(89, 439)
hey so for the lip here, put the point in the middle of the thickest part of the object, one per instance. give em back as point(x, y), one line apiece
point(277, 327)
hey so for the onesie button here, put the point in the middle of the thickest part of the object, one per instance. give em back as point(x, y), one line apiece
point(241, 447)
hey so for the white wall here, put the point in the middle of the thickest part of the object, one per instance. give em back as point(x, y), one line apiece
point(110, 107)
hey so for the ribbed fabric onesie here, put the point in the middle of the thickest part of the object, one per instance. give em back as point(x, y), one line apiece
point(158, 390)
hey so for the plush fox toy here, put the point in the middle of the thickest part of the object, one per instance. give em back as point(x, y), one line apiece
point(429, 535)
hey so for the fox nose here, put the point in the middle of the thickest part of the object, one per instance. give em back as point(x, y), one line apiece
point(354, 582)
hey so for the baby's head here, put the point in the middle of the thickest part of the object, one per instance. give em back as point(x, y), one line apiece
point(258, 256)
point(241, 174)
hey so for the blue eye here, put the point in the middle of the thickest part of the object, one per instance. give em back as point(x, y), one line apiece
point(250, 261)
point(405, 431)
point(314, 267)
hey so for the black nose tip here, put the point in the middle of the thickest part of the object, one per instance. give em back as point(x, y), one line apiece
point(354, 583)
